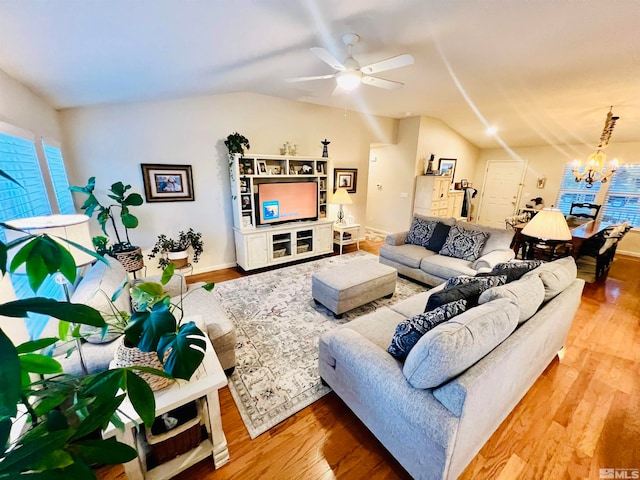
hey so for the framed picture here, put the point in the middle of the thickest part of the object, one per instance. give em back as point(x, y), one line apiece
point(345, 178)
point(246, 202)
point(262, 167)
point(447, 167)
point(541, 182)
point(246, 220)
point(167, 183)
point(464, 183)
point(320, 168)
point(323, 184)
point(244, 185)
point(292, 170)
point(274, 171)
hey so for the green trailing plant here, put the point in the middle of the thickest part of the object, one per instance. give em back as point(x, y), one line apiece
point(236, 143)
point(107, 213)
point(189, 239)
point(153, 327)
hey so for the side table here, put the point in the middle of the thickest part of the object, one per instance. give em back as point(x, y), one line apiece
point(203, 386)
point(339, 237)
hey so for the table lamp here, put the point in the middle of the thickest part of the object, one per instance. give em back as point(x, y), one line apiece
point(548, 224)
point(341, 197)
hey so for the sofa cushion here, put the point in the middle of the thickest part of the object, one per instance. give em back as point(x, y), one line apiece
point(499, 238)
point(468, 291)
point(445, 267)
point(453, 346)
point(556, 276)
point(409, 255)
point(489, 280)
point(96, 289)
point(464, 244)
point(438, 237)
point(410, 330)
point(420, 232)
point(528, 293)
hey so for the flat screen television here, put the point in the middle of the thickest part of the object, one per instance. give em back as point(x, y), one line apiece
point(287, 202)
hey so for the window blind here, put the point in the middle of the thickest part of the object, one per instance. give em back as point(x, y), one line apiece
point(622, 202)
point(59, 179)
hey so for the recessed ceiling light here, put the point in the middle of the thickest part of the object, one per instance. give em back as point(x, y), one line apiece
point(490, 131)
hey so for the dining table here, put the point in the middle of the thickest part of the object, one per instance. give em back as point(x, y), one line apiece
point(579, 234)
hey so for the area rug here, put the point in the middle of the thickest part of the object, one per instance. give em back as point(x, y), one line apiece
point(278, 327)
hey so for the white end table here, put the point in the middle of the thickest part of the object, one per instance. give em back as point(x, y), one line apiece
point(339, 239)
point(204, 385)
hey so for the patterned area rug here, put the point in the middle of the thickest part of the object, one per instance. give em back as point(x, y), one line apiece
point(278, 326)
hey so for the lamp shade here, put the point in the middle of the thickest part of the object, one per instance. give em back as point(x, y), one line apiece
point(70, 227)
point(341, 197)
point(548, 224)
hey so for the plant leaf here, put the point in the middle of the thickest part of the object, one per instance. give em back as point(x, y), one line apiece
point(72, 312)
point(108, 451)
point(37, 363)
point(99, 415)
point(34, 345)
point(209, 286)
point(152, 326)
point(133, 200)
point(141, 397)
point(167, 273)
point(4, 174)
point(184, 359)
point(33, 443)
point(129, 220)
point(3, 258)
point(9, 377)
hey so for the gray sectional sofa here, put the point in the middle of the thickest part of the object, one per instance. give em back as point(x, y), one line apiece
point(462, 378)
point(431, 268)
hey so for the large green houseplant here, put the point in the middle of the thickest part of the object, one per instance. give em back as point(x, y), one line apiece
point(128, 254)
point(59, 412)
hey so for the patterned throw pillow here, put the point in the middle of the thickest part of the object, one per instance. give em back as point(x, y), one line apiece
point(420, 232)
point(488, 280)
point(464, 244)
point(467, 291)
point(409, 331)
point(515, 269)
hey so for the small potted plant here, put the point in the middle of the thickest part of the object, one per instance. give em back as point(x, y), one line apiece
point(175, 250)
point(129, 255)
point(237, 143)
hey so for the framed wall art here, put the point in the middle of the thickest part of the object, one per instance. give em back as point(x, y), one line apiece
point(345, 178)
point(447, 167)
point(167, 183)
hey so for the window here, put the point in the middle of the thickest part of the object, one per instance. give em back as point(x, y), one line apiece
point(622, 202)
point(19, 159)
point(572, 191)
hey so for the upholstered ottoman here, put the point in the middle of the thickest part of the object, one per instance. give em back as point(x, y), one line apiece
point(349, 286)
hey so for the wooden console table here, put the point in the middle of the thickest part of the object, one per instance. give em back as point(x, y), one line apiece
point(203, 387)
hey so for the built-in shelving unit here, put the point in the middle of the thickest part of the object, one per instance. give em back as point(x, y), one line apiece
point(261, 246)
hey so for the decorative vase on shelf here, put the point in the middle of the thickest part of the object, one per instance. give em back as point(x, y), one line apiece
point(325, 150)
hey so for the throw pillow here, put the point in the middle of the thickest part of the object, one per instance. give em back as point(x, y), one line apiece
point(456, 345)
point(438, 237)
point(528, 293)
point(468, 291)
point(464, 244)
point(489, 280)
point(420, 231)
point(409, 331)
point(516, 269)
point(556, 276)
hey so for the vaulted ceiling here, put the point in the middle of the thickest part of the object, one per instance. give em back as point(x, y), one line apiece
point(542, 72)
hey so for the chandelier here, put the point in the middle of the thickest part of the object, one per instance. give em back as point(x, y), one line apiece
point(595, 169)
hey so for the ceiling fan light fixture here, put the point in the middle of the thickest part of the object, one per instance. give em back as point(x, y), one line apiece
point(349, 80)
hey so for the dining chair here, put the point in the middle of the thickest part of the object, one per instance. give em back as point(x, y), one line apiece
point(602, 248)
point(578, 210)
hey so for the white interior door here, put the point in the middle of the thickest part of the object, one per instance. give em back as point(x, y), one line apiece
point(501, 191)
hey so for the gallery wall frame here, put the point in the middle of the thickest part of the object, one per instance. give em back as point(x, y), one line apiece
point(167, 183)
point(345, 178)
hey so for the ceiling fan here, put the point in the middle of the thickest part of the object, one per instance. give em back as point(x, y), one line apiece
point(349, 74)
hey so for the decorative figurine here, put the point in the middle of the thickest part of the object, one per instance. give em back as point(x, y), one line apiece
point(325, 151)
point(429, 170)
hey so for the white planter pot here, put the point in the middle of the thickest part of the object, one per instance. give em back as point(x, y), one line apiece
point(179, 259)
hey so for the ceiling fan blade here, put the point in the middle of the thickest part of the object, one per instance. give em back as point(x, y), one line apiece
point(327, 58)
point(393, 62)
point(381, 83)
point(306, 79)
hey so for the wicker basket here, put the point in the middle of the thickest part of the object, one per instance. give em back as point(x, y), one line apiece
point(187, 435)
point(129, 356)
point(131, 261)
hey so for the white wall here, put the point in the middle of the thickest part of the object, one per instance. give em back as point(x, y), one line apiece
point(110, 143)
point(395, 167)
point(550, 162)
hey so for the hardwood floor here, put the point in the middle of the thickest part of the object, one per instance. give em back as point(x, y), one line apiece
point(581, 415)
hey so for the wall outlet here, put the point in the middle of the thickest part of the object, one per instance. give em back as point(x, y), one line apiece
point(404, 195)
